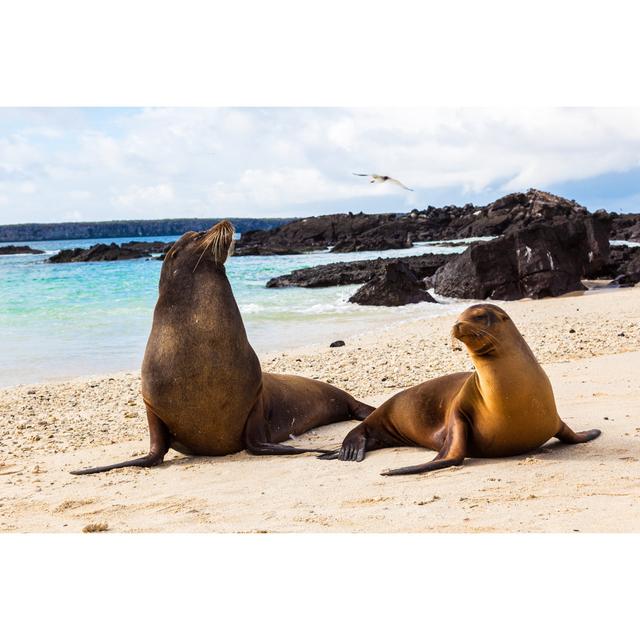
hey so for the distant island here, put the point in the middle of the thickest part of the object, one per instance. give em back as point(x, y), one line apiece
point(126, 228)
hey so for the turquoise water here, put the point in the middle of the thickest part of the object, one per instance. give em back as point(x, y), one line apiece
point(63, 320)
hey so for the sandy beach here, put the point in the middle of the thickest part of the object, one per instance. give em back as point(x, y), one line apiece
point(588, 344)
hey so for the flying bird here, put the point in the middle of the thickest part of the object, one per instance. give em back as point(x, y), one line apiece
point(376, 178)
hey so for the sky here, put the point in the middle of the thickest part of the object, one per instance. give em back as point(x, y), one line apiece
point(68, 164)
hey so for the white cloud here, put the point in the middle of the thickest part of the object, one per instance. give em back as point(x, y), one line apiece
point(26, 187)
point(79, 194)
point(180, 162)
point(136, 196)
point(72, 216)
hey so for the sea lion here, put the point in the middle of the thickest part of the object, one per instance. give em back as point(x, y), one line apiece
point(204, 390)
point(504, 408)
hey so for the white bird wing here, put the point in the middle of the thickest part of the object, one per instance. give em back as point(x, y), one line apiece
point(364, 175)
point(398, 183)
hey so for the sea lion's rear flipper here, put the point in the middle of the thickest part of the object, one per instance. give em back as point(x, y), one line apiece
point(568, 436)
point(159, 445)
point(452, 454)
point(330, 455)
point(275, 449)
point(256, 436)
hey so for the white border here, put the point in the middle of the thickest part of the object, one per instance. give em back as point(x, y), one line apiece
point(286, 52)
point(319, 586)
point(330, 53)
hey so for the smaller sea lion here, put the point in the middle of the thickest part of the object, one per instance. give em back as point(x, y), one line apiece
point(504, 408)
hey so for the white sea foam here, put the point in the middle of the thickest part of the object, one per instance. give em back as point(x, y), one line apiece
point(250, 308)
point(624, 243)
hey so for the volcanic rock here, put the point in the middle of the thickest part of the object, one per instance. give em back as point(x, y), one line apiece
point(110, 252)
point(357, 272)
point(395, 286)
point(538, 261)
point(308, 234)
point(12, 249)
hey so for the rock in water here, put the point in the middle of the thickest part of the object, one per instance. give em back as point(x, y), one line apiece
point(394, 286)
point(111, 252)
point(537, 261)
point(337, 343)
point(356, 272)
point(12, 250)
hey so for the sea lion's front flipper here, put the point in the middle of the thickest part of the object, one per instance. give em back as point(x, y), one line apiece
point(568, 436)
point(159, 438)
point(452, 454)
point(353, 446)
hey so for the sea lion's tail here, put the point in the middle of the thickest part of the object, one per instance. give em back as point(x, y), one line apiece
point(219, 240)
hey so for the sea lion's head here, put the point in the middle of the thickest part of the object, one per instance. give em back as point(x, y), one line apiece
point(194, 251)
point(482, 328)
point(195, 263)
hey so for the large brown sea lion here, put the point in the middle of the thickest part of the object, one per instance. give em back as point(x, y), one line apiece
point(202, 384)
point(504, 408)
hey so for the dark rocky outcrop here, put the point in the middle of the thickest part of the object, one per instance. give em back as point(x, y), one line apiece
point(394, 286)
point(12, 250)
point(271, 250)
point(623, 267)
point(384, 237)
point(348, 232)
point(537, 261)
point(618, 263)
point(111, 252)
point(308, 234)
point(625, 226)
point(598, 229)
point(357, 272)
point(630, 275)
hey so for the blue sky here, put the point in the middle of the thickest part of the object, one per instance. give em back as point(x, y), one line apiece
point(64, 164)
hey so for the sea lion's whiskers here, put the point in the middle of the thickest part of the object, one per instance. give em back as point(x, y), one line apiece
point(200, 258)
point(484, 333)
point(220, 240)
point(476, 332)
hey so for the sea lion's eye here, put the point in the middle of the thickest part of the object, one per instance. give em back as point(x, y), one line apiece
point(486, 317)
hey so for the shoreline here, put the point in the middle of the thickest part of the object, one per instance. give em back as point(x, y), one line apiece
point(352, 335)
point(589, 345)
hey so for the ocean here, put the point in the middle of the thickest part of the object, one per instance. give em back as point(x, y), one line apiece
point(63, 320)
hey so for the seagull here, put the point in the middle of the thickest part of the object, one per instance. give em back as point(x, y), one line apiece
point(376, 178)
